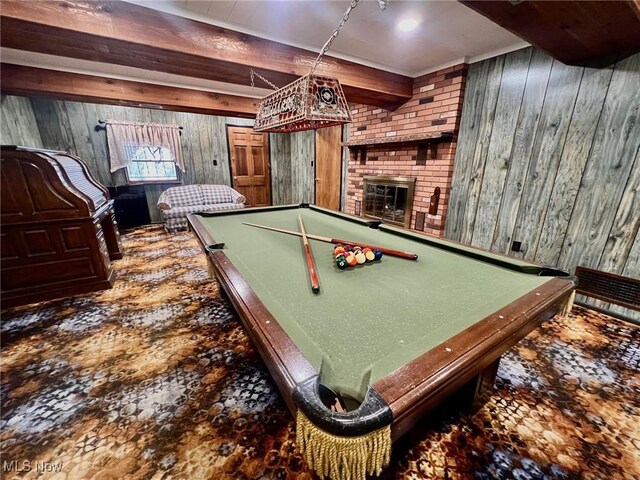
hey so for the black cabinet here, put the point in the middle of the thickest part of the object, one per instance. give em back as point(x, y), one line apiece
point(130, 205)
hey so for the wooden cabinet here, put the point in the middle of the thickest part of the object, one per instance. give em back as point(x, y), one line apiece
point(58, 231)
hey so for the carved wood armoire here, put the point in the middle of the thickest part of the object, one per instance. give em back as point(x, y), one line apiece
point(58, 230)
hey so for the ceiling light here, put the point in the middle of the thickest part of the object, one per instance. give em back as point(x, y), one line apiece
point(407, 24)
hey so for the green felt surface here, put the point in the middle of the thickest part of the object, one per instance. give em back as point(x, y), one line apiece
point(369, 320)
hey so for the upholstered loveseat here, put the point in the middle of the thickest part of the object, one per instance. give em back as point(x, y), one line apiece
point(178, 202)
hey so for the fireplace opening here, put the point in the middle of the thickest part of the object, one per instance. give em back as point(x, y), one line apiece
point(389, 199)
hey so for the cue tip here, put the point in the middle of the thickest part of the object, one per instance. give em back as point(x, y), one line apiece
point(315, 289)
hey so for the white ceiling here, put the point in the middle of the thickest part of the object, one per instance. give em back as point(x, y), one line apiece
point(449, 33)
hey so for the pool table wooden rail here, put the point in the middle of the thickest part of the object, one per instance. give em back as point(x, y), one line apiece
point(284, 360)
point(471, 356)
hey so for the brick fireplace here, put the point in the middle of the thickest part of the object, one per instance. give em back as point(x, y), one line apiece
point(415, 142)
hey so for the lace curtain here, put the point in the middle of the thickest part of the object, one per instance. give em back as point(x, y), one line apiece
point(123, 138)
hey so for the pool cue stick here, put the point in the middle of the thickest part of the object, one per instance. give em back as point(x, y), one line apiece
point(311, 265)
point(386, 251)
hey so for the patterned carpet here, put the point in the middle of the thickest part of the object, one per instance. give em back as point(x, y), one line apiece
point(156, 379)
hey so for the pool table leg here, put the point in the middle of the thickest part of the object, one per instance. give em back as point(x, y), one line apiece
point(479, 389)
point(210, 270)
point(213, 276)
point(485, 383)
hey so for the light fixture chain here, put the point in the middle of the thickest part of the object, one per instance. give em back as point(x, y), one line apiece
point(327, 45)
point(253, 72)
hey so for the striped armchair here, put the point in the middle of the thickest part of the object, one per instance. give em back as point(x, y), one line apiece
point(178, 202)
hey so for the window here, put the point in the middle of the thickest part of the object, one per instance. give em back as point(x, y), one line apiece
point(151, 164)
point(148, 152)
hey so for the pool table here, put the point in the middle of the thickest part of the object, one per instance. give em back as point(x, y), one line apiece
point(396, 337)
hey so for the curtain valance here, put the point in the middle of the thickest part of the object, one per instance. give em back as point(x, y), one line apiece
point(124, 138)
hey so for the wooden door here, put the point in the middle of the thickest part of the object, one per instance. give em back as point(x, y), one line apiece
point(249, 153)
point(328, 167)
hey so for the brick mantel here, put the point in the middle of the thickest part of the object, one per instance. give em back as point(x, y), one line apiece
point(384, 142)
point(431, 136)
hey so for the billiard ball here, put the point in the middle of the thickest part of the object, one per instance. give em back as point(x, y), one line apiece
point(370, 256)
point(341, 262)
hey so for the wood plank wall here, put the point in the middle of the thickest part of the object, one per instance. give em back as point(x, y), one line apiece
point(303, 159)
point(70, 126)
point(17, 122)
point(280, 147)
point(549, 155)
point(345, 167)
point(292, 167)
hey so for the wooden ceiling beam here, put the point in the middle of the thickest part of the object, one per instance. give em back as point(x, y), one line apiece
point(126, 34)
point(584, 33)
point(30, 81)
